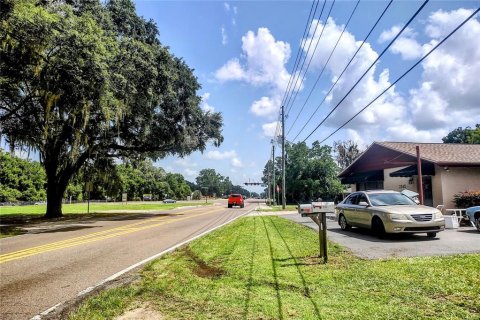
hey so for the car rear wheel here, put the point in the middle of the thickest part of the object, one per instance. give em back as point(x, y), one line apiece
point(477, 223)
point(242, 206)
point(378, 228)
point(431, 234)
point(343, 223)
point(229, 205)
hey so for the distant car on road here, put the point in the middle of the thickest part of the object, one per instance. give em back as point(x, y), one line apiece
point(473, 214)
point(169, 201)
point(235, 200)
point(386, 211)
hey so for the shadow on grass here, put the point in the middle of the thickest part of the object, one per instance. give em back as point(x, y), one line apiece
point(306, 289)
point(275, 274)
point(250, 272)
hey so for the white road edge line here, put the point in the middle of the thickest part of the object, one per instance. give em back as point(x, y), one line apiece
point(118, 274)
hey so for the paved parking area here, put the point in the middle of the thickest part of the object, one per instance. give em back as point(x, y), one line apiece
point(364, 245)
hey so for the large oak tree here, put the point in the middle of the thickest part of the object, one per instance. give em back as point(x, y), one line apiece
point(82, 80)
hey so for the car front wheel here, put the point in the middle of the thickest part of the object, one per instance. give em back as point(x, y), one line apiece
point(343, 223)
point(378, 228)
point(477, 223)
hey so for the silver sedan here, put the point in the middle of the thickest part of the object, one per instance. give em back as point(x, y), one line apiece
point(386, 211)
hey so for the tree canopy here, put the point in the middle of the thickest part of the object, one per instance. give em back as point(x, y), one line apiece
point(345, 152)
point(463, 135)
point(82, 80)
point(311, 173)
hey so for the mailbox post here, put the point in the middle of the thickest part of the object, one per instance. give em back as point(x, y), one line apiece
point(317, 211)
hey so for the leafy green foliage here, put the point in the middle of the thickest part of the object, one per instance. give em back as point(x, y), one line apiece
point(467, 199)
point(20, 180)
point(311, 173)
point(461, 135)
point(81, 81)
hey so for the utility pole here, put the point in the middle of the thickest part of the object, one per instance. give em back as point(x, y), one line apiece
point(274, 181)
point(283, 158)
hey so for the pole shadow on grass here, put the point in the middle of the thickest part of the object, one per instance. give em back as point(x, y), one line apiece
point(275, 275)
point(306, 289)
point(250, 273)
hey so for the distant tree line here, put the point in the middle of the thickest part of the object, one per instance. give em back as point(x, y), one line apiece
point(25, 180)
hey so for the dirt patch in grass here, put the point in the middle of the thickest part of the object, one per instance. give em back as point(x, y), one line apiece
point(201, 268)
point(144, 311)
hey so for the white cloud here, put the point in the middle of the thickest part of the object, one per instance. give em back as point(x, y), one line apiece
point(388, 110)
point(226, 6)
point(224, 36)
point(388, 35)
point(204, 104)
point(269, 129)
point(190, 172)
point(185, 162)
point(217, 155)
point(266, 106)
point(408, 48)
point(237, 163)
point(447, 95)
point(262, 64)
point(232, 70)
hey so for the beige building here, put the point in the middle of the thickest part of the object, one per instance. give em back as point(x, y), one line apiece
point(447, 169)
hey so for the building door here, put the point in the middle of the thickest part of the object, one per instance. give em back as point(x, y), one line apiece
point(427, 191)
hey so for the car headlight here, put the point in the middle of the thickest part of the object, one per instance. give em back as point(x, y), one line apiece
point(398, 216)
point(438, 215)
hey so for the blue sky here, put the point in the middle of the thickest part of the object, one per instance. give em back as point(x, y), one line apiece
point(243, 54)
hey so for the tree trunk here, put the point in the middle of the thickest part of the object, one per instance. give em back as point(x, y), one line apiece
point(55, 192)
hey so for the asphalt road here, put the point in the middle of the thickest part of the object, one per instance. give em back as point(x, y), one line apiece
point(58, 260)
point(363, 244)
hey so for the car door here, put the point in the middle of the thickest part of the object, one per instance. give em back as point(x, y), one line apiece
point(349, 209)
point(363, 213)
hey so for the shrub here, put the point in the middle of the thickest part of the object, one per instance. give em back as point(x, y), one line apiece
point(197, 195)
point(467, 199)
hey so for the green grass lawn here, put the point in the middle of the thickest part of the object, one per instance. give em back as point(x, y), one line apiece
point(290, 207)
point(266, 268)
point(95, 207)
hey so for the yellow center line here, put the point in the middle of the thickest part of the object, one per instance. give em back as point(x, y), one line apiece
point(119, 231)
point(90, 235)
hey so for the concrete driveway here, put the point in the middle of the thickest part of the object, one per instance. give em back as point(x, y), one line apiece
point(364, 245)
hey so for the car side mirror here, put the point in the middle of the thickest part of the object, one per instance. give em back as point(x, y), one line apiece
point(363, 203)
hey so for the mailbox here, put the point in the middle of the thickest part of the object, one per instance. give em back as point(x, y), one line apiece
point(326, 207)
point(305, 209)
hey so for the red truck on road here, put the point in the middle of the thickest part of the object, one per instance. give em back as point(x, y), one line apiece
point(236, 200)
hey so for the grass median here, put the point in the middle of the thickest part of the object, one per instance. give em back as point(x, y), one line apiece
point(266, 267)
point(96, 207)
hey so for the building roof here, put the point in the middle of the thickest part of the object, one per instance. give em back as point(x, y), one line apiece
point(384, 155)
point(439, 153)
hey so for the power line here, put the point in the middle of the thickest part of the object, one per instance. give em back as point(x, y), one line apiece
point(295, 89)
point(369, 68)
point(324, 66)
point(297, 60)
point(403, 75)
point(344, 69)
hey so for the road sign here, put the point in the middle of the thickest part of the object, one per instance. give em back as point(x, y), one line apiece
point(89, 186)
point(124, 197)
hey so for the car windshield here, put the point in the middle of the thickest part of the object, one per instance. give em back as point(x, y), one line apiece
point(389, 199)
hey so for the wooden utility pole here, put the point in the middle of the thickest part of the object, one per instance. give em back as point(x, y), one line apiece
point(283, 158)
point(419, 171)
point(274, 180)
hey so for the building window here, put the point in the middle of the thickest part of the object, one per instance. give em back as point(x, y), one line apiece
point(369, 185)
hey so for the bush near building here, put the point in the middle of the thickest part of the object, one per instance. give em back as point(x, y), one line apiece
point(467, 199)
